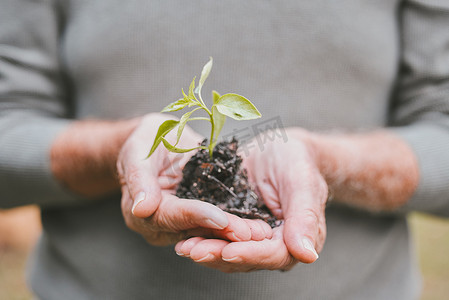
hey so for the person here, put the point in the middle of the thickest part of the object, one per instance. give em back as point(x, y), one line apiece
point(360, 89)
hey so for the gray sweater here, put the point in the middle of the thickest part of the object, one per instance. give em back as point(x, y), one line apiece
point(322, 65)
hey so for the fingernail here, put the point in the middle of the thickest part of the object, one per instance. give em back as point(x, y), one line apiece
point(180, 254)
point(213, 225)
point(218, 223)
point(207, 257)
point(306, 243)
point(233, 259)
point(139, 198)
point(233, 237)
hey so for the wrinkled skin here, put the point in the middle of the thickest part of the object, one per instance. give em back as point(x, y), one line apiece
point(291, 185)
point(160, 217)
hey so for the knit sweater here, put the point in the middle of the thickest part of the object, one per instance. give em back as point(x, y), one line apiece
point(344, 65)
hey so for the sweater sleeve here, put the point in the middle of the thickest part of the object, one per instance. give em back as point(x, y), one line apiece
point(33, 107)
point(420, 110)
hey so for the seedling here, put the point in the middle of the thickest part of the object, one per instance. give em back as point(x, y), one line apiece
point(231, 105)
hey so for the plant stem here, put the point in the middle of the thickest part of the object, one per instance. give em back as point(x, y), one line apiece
point(198, 119)
point(211, 120)
point(211, 140)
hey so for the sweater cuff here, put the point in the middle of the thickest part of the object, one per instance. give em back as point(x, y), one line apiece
point(25, 170)
point(430, 143)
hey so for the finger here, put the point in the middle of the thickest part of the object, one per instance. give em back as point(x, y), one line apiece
point(171, 170)
point(266, 228)
point(304, 220)
point(178, 247)
point(237, 230)
point(144, 190)
point(208, 250)
point(183, 248)
point(266, 254)
point(175, 214)
point(270, 196)
point(207, 253)
point(266, 181)
point(258, 229)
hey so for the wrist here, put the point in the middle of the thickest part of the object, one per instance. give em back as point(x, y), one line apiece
point(83, 158)
point(374, 170)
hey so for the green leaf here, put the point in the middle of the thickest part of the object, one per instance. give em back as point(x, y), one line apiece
point(175, 106)
point(237, 107)
point(192, 88)
point(219, 120)
point(215, 96)
point(190, 99)
point(163, 130)
point(204, 74)
point(183, 122)
point(184, 95)
point(172, 148)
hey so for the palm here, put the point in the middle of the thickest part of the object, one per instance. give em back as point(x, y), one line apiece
point(160, 217)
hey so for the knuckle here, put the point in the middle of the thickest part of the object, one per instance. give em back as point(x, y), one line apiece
point(133, 177)
point(310, 217)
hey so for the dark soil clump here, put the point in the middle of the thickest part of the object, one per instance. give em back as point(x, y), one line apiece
point(220, 180)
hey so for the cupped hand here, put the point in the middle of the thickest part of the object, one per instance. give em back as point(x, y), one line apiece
point(176, 219)
point(230, 257)
point(289, 181)
point(148, 203)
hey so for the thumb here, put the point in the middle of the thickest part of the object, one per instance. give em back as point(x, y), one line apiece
point(145, 192)
point(305, 229)
point(177, 214)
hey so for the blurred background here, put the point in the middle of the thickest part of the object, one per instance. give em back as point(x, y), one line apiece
point(20, 228)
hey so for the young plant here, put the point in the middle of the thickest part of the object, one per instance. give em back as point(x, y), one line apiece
point(231, 105)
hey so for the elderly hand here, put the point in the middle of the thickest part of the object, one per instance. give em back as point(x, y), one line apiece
point(267, 254)
point(288, 179)
point(149, 206)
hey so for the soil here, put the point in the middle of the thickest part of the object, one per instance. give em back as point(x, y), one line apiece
point(222, 181)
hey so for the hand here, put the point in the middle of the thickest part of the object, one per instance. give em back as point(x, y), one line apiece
point(176, 219)
point(293, 188)
point(229, 257)
point(291, 185)
point(290, 177)
point(148, 204)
